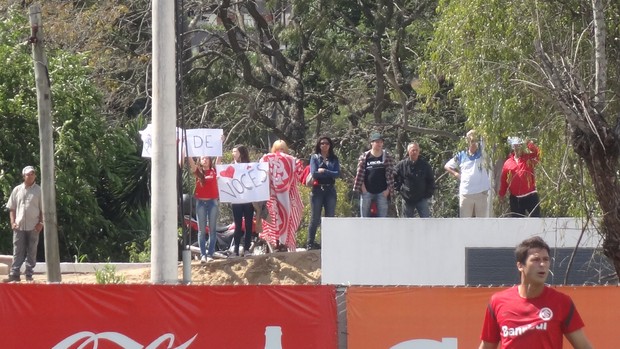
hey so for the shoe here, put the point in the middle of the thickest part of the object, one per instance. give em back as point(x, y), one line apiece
point(313, 246)
point(281, 248)
point(247, 254)
point(233, 256)
point(209, 259)
point(29, 278)
point(12, 278)
point(203, 260)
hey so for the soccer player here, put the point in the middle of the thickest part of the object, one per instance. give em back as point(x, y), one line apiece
point(531, 314)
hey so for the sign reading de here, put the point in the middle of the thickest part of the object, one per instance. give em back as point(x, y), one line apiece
point(204, 142)
point(199, 141)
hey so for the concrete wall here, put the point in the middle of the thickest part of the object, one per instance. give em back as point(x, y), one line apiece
point(401, 251)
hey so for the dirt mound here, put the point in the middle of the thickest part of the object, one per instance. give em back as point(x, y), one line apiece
point(281, 268)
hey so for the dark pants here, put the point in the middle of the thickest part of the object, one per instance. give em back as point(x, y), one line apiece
point(526, 206)
point(243, 214)
point(320, 197)
point(421, 207)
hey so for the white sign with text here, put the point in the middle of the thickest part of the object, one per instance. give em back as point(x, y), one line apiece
point(242, 183)
point(200, 141)
point(204, 142)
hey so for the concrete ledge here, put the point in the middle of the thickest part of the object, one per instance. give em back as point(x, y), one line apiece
point(41, 267)
point(66, 268)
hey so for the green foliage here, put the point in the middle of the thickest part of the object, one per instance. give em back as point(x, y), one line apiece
point(485, 48)
point(87, 151)
point(108, 275)
point(138, 253)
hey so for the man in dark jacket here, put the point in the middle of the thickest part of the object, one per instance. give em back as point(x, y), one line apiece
point(415, 181)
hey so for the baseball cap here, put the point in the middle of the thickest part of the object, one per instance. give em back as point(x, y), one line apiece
point(27, 169)
point(375, 136)
point(515, 141)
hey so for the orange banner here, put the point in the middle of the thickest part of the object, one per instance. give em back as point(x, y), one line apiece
point(451, 318)
point(157, 316)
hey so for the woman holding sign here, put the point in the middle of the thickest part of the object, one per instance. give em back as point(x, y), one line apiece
point(207, 204)
point(243, 214)
point(325, 168)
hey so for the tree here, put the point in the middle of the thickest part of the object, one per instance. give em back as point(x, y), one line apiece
point(542, 67)
point(85, 147)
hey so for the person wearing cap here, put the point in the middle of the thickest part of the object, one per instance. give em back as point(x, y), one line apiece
point(468, 166)
point(518, 178)
point(415, 181)
point(25, 210)
point(374, 177)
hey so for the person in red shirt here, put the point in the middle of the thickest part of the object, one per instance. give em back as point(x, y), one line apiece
point(207, 204)
point(531, 314)
point(518, 178)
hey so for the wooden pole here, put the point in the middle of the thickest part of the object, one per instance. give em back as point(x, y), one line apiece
point(44, 104)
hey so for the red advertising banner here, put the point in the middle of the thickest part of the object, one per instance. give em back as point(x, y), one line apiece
point(159, 316)
point(451, 318)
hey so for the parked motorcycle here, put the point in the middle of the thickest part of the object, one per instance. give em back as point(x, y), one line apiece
point(225, 235)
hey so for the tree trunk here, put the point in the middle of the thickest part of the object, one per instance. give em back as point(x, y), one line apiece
point(602, 164)
point(593, 139)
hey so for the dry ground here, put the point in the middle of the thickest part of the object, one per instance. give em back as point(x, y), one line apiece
point(281, 268)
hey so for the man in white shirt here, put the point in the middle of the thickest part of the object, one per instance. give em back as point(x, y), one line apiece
point(25, 210)
point(468, 166)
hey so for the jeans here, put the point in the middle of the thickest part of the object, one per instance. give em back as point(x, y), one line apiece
point(207, 209)
point(25, 244)
point(367, 199)
point(420, 206)
point(320, 197)
point(243, 215)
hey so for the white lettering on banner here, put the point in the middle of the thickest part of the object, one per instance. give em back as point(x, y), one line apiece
point(273, 337)
point(445, 343)
point(122, 340)
point(273, 340)
point(242, 183)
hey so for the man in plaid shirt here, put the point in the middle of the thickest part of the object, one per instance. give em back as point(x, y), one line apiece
point(375, 177)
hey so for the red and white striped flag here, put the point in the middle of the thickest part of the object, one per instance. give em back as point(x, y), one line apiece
point(284, 205)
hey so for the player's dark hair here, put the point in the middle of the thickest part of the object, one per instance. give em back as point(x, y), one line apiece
point(521, 252)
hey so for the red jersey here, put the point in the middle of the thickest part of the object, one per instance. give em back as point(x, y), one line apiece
point(206, 188)
point(519, 176)
point(531, 323)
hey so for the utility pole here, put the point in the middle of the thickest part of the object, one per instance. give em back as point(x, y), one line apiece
point(164, 245)
point(46, 140)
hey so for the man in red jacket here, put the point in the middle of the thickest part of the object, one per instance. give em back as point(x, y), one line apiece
point(518, 177)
